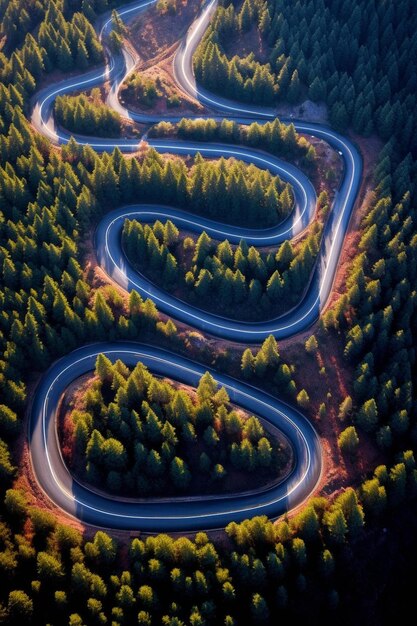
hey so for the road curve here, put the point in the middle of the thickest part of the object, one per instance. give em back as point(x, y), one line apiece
point(177, 514)
point(182, 514)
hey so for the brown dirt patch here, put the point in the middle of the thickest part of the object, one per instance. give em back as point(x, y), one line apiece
point(369, 149)
point(154, 39)
point(244, 44)
point(328, 379)
point(162, 75)
point(328, 174)
point(306, 111)
point(335, 382)
point(153, 34)
point(26, 480)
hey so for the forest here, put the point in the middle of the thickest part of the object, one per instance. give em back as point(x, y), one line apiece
point(87, 116)
point(247, 195)
point(238, 281)
point(354, 56)
point(331, 557)
point(139, 435)
point(275, 137)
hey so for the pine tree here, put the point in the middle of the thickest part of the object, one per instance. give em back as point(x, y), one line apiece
point(303, 399)
point(94, 447)
point(81, 58)
point(367, 417)
point(202, 249)
point(245, 16)
point(270, 350)
point(179, 473)
point(274, 287)
point(311, 345)
point(294, 89)
point(348, 440)
point(317, 92)
point(154, 465)
point(264, 452)
point(203, 283)
point(103, 311)
point(104, 369)
point(64, 57)
point(337, 526)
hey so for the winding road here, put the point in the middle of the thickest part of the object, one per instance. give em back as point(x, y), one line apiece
point(207, 512)
point(155, 514)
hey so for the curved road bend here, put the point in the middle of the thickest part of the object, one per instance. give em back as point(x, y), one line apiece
point(179, 513)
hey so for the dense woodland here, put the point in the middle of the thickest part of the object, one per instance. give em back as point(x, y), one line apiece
point(139, 435)
point(274, 137)
point(354, 56)
point(238, 281)
point(225, 190)
point(87, 116)
point(263, 572)
point(378, 314)
point(41, 37)
point(329, 561)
